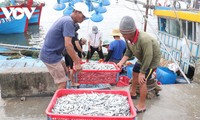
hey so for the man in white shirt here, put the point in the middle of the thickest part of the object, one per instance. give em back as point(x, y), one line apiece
point(95, 43)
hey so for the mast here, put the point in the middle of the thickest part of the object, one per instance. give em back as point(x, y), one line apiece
point(146, 16)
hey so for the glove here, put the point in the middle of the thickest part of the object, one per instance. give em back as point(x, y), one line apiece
point(83, 53)
point(101, 60)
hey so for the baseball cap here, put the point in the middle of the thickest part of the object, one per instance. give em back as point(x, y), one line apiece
point(83, 8)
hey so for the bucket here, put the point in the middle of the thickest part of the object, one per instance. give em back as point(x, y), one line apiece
point(129, 70)
point(165, 76)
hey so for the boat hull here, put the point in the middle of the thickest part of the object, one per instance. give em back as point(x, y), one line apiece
point(13, 26)
point(35, 18)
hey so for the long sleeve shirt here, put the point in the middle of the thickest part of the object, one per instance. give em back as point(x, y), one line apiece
point(146, 50)
point(95, 39)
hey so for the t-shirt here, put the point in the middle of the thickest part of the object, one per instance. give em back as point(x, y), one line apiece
point(54, 42)
point(118, 47)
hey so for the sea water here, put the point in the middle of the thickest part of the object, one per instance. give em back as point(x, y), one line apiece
point(115, 11)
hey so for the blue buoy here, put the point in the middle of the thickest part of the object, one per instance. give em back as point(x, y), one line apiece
point(96, 17)
point(165, 76)
point(64, 1)
point(106, 2)
point(101, 8)
point(69, 9)
point(59, 6)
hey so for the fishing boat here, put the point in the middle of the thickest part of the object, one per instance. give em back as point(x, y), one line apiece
point(35, 18)
point(12, 25)
point(14, 19)
point(179, 35)
point(178, 32)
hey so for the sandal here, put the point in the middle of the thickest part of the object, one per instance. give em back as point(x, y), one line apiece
point(134, 97)
point(140, 111)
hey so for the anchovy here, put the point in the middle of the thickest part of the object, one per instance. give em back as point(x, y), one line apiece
point(94, 104)
point(98, 66)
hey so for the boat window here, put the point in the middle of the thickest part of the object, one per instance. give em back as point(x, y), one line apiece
point(173, 27)
point(170, 26)
point(189, 30)
point(162, 24)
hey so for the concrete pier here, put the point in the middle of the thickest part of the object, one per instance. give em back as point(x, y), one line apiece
point(176, 102)
point(25, 78)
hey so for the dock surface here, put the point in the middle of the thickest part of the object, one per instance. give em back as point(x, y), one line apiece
point(176, 102)
point(21, 63)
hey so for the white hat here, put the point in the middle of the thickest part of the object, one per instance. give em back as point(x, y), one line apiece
point(82, 7)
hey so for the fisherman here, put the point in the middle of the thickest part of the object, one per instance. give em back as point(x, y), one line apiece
point(147, 50)
point(106, 44)
point(79, 47)
point(95, 43)
point(116, 48)
point(59, 38)
point(77, 44)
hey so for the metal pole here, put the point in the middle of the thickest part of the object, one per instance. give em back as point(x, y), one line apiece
point(146, 16)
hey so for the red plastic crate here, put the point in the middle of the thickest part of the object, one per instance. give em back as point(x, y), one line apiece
point(98, 76)
point(123, 81)
point(63, 92)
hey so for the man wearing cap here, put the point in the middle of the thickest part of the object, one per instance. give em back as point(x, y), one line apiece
point(95, 43)
point(59, 38)
point(106, 44)
point(116, 48)
point(147, 50)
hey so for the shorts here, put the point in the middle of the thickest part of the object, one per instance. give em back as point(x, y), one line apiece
point(58, 71)
point(68, 61)
point(148, 74)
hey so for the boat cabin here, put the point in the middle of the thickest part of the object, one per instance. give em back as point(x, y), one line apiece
point(179, 32)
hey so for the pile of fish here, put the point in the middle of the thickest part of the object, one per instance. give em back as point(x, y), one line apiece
point(98, 66)
point(93, 104)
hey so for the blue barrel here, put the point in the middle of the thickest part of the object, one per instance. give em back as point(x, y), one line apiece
point(165, 76)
